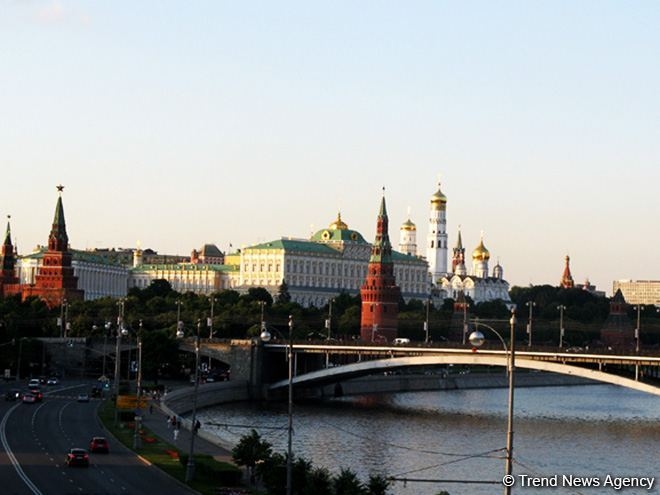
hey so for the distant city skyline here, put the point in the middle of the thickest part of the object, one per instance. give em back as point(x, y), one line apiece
point(180, 124)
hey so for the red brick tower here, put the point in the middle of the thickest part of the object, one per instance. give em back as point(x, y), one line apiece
point(566, 278)
point(55, 280)
point(380, 294)
point(9, 283)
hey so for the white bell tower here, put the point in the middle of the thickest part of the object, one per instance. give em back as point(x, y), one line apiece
point(436, 244)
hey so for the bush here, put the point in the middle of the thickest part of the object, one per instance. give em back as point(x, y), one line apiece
point(221, 473)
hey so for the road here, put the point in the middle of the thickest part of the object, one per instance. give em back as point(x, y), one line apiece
point(34, 439)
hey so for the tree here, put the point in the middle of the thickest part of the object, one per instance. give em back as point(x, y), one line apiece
point(283, 295)
point(250, 450)
point(347, 483)
point(377, 485)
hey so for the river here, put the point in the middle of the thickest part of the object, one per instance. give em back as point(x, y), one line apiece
point(586, 431)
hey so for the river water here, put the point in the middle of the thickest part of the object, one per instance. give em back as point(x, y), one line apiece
point(586, 431)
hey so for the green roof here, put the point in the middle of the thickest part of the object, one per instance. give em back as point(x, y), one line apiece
point(76, 254)
point(338, 235)
point(294, 245)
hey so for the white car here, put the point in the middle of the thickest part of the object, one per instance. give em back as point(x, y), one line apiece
point(53, 381)
point(34, 383)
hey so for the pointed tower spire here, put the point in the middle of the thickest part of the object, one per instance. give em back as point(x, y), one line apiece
point(458, 258)
point(380, 294)
point(58, 240)
point(7, 263)
point(55, 281)
point(436, 247)
point(566, 278)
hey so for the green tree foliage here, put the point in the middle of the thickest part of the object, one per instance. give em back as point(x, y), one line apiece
point(283, 295)
point(347, 483)
point(251, 450)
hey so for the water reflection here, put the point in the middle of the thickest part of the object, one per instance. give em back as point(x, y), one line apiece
point(588, 431)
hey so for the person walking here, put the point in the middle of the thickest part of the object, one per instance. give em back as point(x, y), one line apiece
point(176, 434)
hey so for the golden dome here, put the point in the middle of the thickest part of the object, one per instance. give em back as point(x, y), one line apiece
point(439, 200)
point(408, 225)
point(480, 252)
point(338, 224)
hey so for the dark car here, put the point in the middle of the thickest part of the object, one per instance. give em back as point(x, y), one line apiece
point(99, 444)
point(13, 394)
point(77, 457)
point(83, 397)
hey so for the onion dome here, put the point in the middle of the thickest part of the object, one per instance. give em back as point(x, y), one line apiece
point(338, 224)
point(480, 253)
point(439, 200)
point(409, 226)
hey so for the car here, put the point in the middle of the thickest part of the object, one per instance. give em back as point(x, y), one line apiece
point(34, 383)
point(83, 397)
point(77, 457)
point(99, 444)
point(38, 395)
point(13, 394)
point(52, 381)
point(28, 398)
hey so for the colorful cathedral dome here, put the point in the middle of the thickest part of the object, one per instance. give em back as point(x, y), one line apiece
point(439, 200)
point(338, 231)
point(338, 224)
point(480, 253)
point(409, 225)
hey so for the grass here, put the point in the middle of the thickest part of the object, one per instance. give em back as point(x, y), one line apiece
point(162, 454)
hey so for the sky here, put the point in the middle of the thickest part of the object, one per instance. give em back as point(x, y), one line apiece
point(175, 124)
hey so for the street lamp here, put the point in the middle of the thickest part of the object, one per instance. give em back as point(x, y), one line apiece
point(190, 467)
point(426, 322)
point(530, 304)
point(561, 309)
point(209, 323)
point(477, 339)
point(637, 336)
point(120, 332)
point(137, 444)
point(328, 321)
point(265, 337)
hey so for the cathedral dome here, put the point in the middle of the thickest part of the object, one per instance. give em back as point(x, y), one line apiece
point(338, 224)
point(439, 200)
point(480, 253)
point(408, 225)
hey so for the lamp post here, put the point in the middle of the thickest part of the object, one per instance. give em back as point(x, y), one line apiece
point(530, 304)
point(477, 339)
point(209, 323)
point(561, 309)
point(426, 322)
point(465, 325)
point(289, 457)
point(190, 467)
point(328, 321)
point(265, 337)
point(137, 444)
point(637, 336)
point(120, 331)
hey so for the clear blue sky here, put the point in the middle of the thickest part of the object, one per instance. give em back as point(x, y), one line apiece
point(181, 123)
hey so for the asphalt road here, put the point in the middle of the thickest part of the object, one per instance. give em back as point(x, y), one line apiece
point(34, 439)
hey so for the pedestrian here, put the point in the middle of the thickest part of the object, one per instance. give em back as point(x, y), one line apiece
point(197, 426)
point(169, 422)
point(176, 434)
point(151, 408)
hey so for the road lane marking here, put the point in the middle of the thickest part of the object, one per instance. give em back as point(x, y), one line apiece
point(17, 467)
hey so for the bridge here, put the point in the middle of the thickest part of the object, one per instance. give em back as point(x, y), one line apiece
point(264, 365)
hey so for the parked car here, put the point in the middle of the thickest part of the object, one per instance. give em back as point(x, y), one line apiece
point(77, 457)
point(99, 444)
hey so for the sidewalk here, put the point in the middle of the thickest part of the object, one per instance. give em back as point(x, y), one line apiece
point(158, 424)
